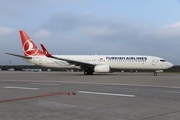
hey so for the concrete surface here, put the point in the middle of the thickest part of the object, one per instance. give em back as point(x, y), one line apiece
point(114, 96)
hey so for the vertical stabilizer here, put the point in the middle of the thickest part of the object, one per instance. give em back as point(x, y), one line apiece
point(29, 47)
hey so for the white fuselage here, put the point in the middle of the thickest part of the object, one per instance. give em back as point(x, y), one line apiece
point(114, 61)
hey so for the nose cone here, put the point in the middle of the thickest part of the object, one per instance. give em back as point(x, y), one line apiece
point(170, 65)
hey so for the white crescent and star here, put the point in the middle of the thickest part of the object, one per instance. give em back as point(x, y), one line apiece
point(30, 48)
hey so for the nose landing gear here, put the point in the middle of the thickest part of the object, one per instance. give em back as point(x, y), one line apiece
point(155, 73)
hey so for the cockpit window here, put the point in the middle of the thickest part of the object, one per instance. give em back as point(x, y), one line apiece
point(163, 60)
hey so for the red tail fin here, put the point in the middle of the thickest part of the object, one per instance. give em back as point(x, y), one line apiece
point(29, 47)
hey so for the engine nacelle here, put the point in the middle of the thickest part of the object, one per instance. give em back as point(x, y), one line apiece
point(102, 68)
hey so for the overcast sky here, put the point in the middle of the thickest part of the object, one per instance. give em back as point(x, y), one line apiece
point(72, 27)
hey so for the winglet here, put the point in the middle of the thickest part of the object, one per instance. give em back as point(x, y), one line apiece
point(45, 51)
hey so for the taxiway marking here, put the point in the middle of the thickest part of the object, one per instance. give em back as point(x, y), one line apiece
point(45, 84)
point(26, 88)
point(99, 93)
point(160, 91)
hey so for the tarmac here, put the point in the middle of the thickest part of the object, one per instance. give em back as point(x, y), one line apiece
point(75, 96)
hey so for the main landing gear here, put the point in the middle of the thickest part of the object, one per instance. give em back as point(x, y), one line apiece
point(88, 72)
point(155, 73)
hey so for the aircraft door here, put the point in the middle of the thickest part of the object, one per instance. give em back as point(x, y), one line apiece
point(153, 61)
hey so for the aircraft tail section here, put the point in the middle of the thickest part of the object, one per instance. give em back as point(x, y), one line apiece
point(29, 47)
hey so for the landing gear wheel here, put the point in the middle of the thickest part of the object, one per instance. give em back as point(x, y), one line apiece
point(85, 72)
point(155, 73)
point(88, 72)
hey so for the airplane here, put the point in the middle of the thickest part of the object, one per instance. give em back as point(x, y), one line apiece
point(89, 63)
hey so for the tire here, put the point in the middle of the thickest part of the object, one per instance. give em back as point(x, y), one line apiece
point(155, 74)
point(85, 72)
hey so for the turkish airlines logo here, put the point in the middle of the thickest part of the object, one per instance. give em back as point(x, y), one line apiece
point(30, 48)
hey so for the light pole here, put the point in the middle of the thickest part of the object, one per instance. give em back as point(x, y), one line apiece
point(9, 62)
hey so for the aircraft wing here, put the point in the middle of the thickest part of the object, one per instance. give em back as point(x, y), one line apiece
point(21, 56)
point(75, 62)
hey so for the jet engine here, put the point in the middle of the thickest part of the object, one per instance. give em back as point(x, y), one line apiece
point(102, 68)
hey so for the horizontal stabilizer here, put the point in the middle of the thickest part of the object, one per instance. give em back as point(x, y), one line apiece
point(21, 56)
